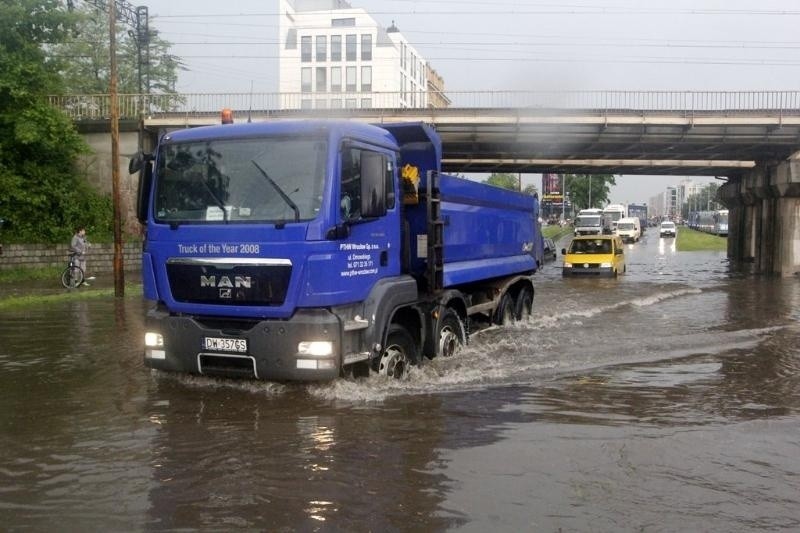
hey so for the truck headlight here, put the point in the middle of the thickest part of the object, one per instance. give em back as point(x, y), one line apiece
point(605, 265)
point(315, 348)
point(154, 346)
point(567, 265)
point(153, 339)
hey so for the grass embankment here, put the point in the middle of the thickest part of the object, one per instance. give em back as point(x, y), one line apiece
point(30, 274)
point(689, 240)
point(52, 275)
point(556, 232)
point(16, 302)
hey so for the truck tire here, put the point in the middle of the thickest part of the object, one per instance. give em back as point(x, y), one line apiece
point(504, 314)
point(399, 354)
point(451, 334)
point(523, 306)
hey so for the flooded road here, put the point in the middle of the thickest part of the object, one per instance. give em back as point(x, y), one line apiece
point(666, 400)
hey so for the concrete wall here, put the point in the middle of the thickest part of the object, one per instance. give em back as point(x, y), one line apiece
point(97, 168)
point(99, 259)
point(764, 219)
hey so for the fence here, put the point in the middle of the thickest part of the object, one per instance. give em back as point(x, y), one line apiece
point(100, 257)
point(133, 106)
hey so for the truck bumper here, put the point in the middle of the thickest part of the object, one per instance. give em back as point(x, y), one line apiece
point(271, 350)
point(591, 271)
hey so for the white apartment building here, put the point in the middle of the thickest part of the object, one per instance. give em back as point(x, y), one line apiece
point(335, 56)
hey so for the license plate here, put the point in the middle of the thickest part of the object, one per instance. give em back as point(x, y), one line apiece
point(222, 344)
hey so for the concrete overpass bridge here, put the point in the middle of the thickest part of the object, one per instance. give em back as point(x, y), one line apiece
point(750, 138)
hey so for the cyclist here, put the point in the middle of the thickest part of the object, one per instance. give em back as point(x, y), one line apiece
point(79, 246)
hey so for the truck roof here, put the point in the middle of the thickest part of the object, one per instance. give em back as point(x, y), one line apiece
point(343, 128)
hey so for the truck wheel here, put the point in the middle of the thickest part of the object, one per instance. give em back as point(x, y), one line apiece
point(400, 352)
point(504, 313)
point(452, 335)
point(524, 304)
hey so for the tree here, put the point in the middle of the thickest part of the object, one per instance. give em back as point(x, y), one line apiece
point(589, 190)
point(85, 58)
point(43, 198)
point(503, 179)
point(703, 200)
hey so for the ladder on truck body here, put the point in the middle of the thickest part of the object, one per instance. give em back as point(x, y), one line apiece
point(435, 268)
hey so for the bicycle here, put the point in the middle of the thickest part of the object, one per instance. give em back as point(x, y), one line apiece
point(72, 276)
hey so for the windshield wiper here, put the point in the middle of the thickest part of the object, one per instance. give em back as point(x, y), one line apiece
point(277, 187)
point(217, 201)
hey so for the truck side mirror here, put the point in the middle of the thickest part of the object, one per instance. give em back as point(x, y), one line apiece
point(144, 164)
point(373, 184)
point(136, 162)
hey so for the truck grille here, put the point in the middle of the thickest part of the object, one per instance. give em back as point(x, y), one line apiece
point(226, 282)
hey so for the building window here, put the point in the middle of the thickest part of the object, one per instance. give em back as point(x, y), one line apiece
point(366, 79)
point(336, 47)
point(321, 103)
point(350, 103)
point(336, 79)
point(336, 103)
point(366, 103)
point(305, 49)
point(338, 23)
point(350, 79)
point(366, 47)
point(322, 80)
point(305, 80)
point(305, 103)
point(402, 55)
point(350, 45)
point(322, 48)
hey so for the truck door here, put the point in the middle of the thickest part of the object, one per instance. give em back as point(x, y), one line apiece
point(368, 207)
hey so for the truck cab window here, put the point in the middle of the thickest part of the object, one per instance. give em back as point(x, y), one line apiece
point(355, 163)
point(271, 179)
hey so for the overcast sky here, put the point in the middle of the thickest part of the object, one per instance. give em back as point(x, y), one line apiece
point(714, 45)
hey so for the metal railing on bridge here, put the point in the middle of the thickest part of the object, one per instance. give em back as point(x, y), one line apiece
point(133, 106)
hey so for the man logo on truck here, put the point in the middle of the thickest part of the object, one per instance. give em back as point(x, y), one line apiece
point(225, 282)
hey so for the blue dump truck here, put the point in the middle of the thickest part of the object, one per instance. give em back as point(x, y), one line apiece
point(306, 250)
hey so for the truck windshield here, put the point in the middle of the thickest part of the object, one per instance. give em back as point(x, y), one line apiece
point(625, 226)
point(240, 180)
point(585, 221)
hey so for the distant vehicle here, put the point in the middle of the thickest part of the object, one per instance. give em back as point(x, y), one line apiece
point(589, 222)
point(714, 222)
point(629, 229)
point(599, 255)
point(549, 250)
point(667, 229)
point(612, 214)
point(639, 211)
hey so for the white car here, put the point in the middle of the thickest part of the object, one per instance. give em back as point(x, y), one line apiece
point(667, 229)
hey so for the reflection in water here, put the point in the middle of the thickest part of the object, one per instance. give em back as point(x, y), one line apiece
point(669, 396)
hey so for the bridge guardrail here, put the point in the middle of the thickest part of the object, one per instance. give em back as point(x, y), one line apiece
point(132, 106)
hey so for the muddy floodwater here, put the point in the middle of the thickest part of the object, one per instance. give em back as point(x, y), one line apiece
point(665, 400)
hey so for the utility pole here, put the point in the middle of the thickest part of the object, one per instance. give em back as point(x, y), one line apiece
point(136, 17)
point(119, 270)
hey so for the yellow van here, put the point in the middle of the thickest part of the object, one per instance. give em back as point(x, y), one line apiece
point(602, 255)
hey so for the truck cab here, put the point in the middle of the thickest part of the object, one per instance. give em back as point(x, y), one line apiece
point(293, 250)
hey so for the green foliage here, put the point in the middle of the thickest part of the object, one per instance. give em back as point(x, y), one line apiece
point(504, 180)
point(85, 65)
point(509, 181)
point(589, 190)
point(704, 200)
point(43, 197)
point(689, 240)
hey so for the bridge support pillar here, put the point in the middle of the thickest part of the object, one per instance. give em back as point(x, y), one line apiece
point(764, 217)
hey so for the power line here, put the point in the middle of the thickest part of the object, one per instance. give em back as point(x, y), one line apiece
point(582, 10)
